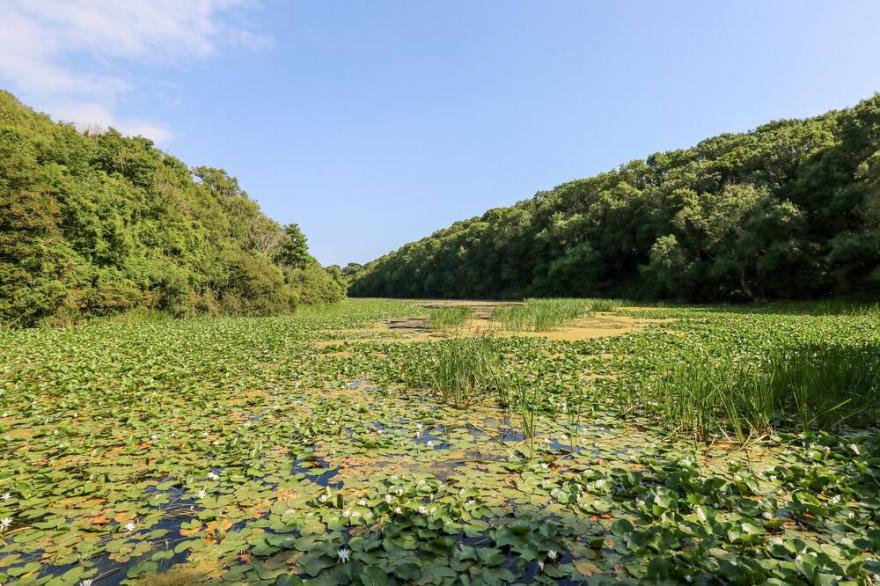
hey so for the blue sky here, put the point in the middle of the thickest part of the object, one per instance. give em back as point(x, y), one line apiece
point(373, 123)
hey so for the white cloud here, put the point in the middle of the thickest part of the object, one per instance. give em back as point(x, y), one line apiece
point(97, 117)
point(39, 39)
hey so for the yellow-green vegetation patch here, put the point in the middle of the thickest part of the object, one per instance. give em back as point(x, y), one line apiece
point(244, 451)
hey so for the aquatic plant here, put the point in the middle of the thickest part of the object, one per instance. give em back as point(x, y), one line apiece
point(460, 370)
point(810, 386)
point(540, 315)
point(448, 317)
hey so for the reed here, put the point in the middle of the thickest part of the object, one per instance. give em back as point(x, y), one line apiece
point(448, 317)
point(803, 387)
point(541, 315)
point(460, 370)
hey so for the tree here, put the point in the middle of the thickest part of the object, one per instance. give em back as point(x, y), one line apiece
point(293, 252)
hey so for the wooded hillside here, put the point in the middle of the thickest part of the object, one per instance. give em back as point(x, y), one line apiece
point(789, 210)
point(101, 223)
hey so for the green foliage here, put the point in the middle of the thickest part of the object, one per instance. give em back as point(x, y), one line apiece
point(293, 251)
point(313, 284)
point(99, 224)
point(789, 210)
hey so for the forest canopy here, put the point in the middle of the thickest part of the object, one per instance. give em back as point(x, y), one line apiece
point(790, 210)
point(98, 223)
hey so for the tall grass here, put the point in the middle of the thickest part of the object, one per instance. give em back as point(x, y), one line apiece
point(463, 370)
point(843, 307)
point(804, 387)
point(540, 315)
point(448, 317)
point(604, 304)
point(526, 398)
point(460, 370)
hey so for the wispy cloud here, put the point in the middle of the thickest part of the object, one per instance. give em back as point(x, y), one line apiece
point(40, 41)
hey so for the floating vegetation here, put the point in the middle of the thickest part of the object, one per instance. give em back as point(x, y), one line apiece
point(242, 451)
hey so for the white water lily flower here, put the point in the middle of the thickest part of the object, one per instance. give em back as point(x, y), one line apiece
point(213, 476)
point(6, 496)
point(551, 555)
point(388, 498)
point(130, 526)
point(540, 566)
point(430, 444)
point(344, 554)
point(423, 510)
point(346, 513)
point(202, 493)
point(398, 510)
point(86, 582)
point(545, 465)
point(323, 498)
point(688, 578)
point(362, 502)
point(399, 491)
point(5, 523)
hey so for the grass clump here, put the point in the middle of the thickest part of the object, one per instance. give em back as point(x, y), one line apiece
point(526, 397)
point(604, 304)
point(807, 387)
point(540, 315)
point(448, 317)
point(460, 370)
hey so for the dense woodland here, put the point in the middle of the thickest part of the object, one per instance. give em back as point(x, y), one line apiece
point(789, 210)
point(95, 224)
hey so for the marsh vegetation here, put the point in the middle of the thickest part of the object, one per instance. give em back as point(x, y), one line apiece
point(714, 445)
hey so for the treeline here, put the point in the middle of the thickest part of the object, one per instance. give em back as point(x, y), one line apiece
point(790, 210)
point(95, 224)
